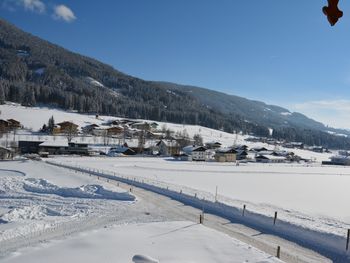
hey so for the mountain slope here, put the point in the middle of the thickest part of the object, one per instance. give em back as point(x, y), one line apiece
point(35, 71)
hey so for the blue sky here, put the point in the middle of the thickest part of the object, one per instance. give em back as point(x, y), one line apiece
point(277, 51)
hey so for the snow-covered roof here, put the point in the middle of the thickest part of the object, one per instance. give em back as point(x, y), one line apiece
point(192, 148)
point(54, 144)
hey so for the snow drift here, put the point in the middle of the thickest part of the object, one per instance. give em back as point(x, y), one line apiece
point(42, 186)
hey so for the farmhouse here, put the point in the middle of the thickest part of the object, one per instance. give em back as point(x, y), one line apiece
point(121, 150)
point(167, 147)
point(213, 145)
point(270, 159)
point(115, 130)
point(241, 155)
point(89, 129)
point(225, 155)
point(198, 153)
point(4, 124)
point(67, 126)
point(14, 124)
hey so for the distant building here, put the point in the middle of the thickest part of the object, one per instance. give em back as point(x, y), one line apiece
point(14, 124)
point(318, 149)
point(29, 146)
point(297, 145)
point(67, 126)
point(61, 147)
point(115, 130)
point(338, 160)
point(197, 153)
point(121, 150)
point(259, 149)
point(225, 155)
point(6, 153)
point(167, 147)
point(213, 145)
point(89, 129)
point(270, 159)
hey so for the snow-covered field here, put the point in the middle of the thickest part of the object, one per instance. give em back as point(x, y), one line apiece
point(176, 242)
point(313, 196)
point(35, 196)
point(51, 214)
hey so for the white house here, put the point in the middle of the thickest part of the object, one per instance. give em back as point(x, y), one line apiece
point(198, 153)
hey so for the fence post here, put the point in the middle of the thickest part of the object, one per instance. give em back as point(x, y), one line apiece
point(243, 212)
point(275, 218)
point(347, 240)
point(216, 194)
point(278, 252)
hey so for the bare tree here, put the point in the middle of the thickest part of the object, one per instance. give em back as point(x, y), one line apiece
point(70, 132)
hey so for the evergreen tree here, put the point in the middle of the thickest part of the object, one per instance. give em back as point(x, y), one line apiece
point(51, 125)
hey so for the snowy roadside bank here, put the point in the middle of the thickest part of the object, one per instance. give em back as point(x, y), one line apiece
point(329, 244)
point(165, 242)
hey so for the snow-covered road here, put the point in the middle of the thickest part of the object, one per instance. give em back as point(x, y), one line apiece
point(264, 241)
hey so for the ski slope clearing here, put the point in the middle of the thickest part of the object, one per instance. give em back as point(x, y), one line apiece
point(166, 242)
point(311, 196)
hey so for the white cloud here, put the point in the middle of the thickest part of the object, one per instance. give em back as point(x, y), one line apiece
point(335, 113)
point(64, 13)
point(34, 5)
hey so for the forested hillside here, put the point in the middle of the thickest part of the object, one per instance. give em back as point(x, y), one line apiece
point(34, 71)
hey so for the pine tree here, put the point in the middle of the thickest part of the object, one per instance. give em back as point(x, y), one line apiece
point(51, 125)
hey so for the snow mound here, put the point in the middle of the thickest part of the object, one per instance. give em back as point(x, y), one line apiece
point(42, 186)
point(28, 213)
point(143, 259)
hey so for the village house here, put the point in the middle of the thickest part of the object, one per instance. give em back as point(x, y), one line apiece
point(259, 149)
point(67, 126)
point(167, 147)
point(115, 130)
point(225, 155)
point(116, 151)
point(89, 129)
point(4, 125)
point(9, 124)
point(154, 126)
point(297, 145)
point(197, 153)
point(270, 159)
point(14, 124)
point(6, 153)
point(241, 155)
point(141, 126)
point(213, 145)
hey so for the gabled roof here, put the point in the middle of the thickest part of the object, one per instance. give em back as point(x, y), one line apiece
point(168, 143)
point(226, 150)
point(13, 121)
